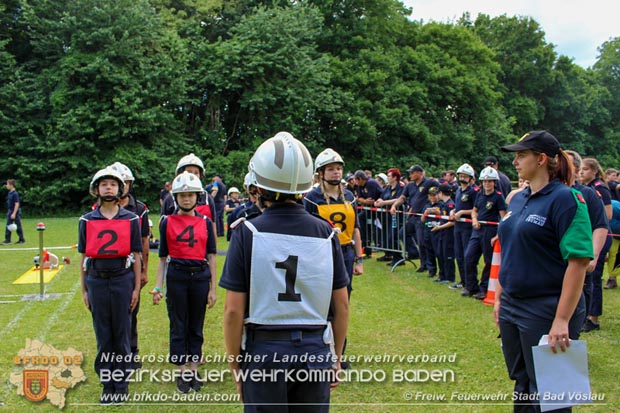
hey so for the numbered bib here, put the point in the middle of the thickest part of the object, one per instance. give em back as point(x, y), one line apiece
point(291, 279)
point(187, 237)
point(108, 238)
point(205, 210)
point(343, 217)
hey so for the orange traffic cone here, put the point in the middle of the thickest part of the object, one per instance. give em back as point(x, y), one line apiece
point(496, 262)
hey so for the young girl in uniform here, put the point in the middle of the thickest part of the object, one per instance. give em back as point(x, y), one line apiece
point(111, 245)
point(592, 175)
point(187, 258)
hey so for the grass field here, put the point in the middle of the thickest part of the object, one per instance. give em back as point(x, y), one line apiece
point(394, 314)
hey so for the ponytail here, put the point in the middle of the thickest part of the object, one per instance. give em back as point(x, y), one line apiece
point(561, 168)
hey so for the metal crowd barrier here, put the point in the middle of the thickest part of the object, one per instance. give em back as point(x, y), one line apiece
point(385, 232)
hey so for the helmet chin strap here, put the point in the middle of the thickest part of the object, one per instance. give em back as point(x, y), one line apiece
point(187, 209)
point(333, 182)
point(110, 198)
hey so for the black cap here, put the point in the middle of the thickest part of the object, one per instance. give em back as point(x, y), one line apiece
point(415, 168)
point(445, 188)
point(490, 160)
point(349, 177)
point(433, 190)
point(359, 174)
point(538, 141)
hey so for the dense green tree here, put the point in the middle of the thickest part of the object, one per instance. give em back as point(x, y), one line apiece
point(527, 62)
point(268, 76)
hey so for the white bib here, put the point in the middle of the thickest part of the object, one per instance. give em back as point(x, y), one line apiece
point(291, 279)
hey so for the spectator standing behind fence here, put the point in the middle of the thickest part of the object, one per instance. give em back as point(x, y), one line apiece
point(490, 206)
point(14, 214)
point(110, 242)
point(464, 203)
point(546, 241)
point(367, 191)
point(390, 194)
point(187, 254)
point(503, 184)
point(431, 239)
point(445, 232)
point(415, 193)
point(592, 175)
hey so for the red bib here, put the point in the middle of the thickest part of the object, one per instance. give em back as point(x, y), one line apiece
point(205, 210)
point(187, 237)
point(108, 238)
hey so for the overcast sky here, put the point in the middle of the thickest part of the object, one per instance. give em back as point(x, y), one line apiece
point(575, 27)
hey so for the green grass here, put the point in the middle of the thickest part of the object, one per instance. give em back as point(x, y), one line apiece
point(400, 313)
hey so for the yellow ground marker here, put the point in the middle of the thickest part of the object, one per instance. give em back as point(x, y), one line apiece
point(32, 276)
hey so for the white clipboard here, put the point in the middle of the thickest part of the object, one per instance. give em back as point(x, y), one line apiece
point(562, 378)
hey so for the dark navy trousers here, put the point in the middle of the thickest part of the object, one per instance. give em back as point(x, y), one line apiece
point(186, 298)
point(522, 322)
point(110, 302)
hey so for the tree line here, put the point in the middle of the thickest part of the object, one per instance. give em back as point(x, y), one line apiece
point(84, 83)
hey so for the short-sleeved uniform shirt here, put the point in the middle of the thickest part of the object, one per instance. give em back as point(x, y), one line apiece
point(602, 190)
point(596, 209)
point(370, 190)
point(294, 270)
point(430, 222)
point(341, 214)
point(108, 242)
point(504, 185)
point(12, 199)
point(187, 239)
point(489, 206)
point(464, 200)
point(392, 193)
point(142, 211)
point(538, 235)
point(417, 194)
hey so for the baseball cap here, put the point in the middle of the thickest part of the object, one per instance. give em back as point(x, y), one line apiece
point(445, 188)
point(490, 160)
point(433, 190)
point(349, 177)
point(538, 141)
point(359, 174)
point(415, 168)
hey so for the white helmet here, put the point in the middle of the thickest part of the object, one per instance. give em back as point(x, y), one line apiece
point(123, 171)
point(106, 173)
point(12, 227)
point(233, 189)
point(383, 177)
point(326, 157)
point(247, 180)
point(467, 170)
point(489, 173)
point(186, 182)
point(282, 164)
point(189, 160)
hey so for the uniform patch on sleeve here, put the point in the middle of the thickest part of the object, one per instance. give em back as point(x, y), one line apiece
point(580, 198)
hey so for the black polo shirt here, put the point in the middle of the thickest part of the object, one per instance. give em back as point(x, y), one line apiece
point(417, 194)
point(489, 206)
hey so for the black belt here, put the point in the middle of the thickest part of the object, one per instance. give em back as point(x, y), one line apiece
point(190, 268)
point(110, 273)
point(284, 335)
point(346, 246)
